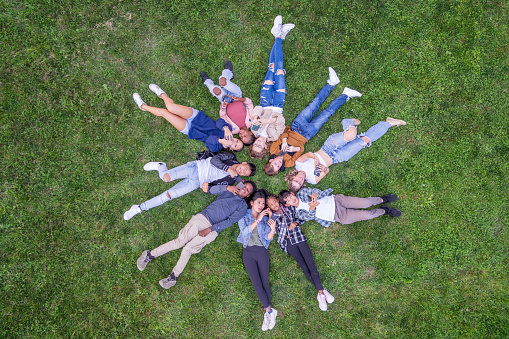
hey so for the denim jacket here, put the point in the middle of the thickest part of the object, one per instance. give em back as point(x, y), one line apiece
point(245, 229)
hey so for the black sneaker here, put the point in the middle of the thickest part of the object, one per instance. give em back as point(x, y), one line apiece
point(393, 212)
point(389, 198)
point(204, 76)
point(228, 65)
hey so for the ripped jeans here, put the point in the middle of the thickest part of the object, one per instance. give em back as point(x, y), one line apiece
point(230, 88)
point(340, 150)
point(273, 95)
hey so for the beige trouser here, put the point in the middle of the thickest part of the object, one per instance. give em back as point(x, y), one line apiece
point(189, 239)
point(348, 212)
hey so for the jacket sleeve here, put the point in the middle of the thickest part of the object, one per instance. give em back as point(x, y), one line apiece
point(232, 219)
point(306, 215)
point(212, 144)
point(279, 125)
point(220, 123)
point(244, 226)
point(219, 160)
point(249, 110)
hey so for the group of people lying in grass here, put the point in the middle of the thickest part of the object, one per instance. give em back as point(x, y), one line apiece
point(261, 215)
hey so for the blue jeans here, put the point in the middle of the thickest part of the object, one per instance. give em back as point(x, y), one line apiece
point(340, 150)
point(303, 124)
point(274, 94)
point(188, 172)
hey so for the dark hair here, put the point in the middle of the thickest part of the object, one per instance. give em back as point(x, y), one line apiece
point(269, 170)
point(239, 150)
point(283, 195)
point(248, 198)
point(253, 168)
point(260, 193)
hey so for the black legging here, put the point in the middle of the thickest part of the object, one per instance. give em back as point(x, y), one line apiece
point(303, 256)
point(256, 262)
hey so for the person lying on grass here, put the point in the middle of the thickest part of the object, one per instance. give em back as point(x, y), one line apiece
point(267, 120)
point(339, 147)
point(314, 204)
point(290, 145)
point(234, 109)
point(255, 237)
point(195, 124)
point(222, 167)
point(201, 230)
point(292, 241)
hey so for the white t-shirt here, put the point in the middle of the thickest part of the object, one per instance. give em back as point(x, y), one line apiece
point(308, 167)
point(325, 211)
point(207, 172)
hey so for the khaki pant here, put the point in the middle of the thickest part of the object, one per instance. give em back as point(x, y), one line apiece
point(188, 239)
point(347, 211)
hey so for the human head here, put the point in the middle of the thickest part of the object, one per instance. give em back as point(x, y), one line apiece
point(288, 198)
point(272, 167)
point(247, 190)
point(257, 202)
point(237, 145)
point(246, 169)
point(259, 149)
point(246, 136)
point(295, 180)
point(272, 202)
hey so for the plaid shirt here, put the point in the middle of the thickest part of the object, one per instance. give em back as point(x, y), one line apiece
point(285, 218)
point(303, 195)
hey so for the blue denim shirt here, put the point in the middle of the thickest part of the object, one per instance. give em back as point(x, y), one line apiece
point(245, 229)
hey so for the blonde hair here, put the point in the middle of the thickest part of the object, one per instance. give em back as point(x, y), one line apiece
point(289, 181)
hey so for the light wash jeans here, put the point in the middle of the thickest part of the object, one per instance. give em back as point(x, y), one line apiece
point(188, 172)
point(230, 88)
point(303, 123)
point(270, 94)
point(341, 150)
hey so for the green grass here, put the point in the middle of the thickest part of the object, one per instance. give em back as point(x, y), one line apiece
point(73, 144)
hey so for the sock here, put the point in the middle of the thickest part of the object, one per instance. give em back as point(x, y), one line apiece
point(150, 256)
point(172, 276)
point(270, 310)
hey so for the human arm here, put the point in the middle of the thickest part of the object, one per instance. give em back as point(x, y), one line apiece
point(220, 160)
point(324, 170)
point(249, 110)
point(233, 218)
point(213, 143)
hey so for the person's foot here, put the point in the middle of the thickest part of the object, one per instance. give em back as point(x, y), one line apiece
point(395, 122)
point(393, 212)
point(322, 302)
point(168, 282)
point(152, 166)
point(328, 297)
point(356, 122)
point(143, 260)
point(285, 29)
point(204, 76)
point(389, 198)
point(276, 29)
point(272, 318)
point(351, 93)
point(333, 77)
point(139, 101)
point(156, 89)
point(266, 321)
point(228, 65)
point(135, 209)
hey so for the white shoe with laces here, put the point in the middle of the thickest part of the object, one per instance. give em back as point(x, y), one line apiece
point(285, 29)
point(135, 209)
point(351, 93)
point(328, 297)
point(322, 302)
point(139, 101)
point(156, 89)
point(153, 166)
point(266, 321)
point(333, 77)
point(276, 29)
point(272, 321)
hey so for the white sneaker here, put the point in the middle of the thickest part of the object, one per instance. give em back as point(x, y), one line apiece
point(285, 29)
point(266, 321)
point(276, 29)
point(330, 299)
point(333, 77)
point(135, 209)
point(153, 166)
point(272, 317)
point(139, 101)
point(351, 93)
point(322, 302)
point(156, 89)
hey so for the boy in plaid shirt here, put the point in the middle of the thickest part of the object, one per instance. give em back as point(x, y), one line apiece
point(292, 241)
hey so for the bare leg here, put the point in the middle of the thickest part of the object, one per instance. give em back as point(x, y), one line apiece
point(177, 122)
point(184, 112)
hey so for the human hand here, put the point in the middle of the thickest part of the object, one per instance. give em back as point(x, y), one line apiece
point(313, 204)
point(233, 189)
point(263, 213)
point(205, 187)
point(292, 226)
point(227, 134)
point(272, 224)
point(323, 168)
point(203, 233)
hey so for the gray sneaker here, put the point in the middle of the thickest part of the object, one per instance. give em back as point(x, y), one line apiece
point(143, 260)
point(167, 282)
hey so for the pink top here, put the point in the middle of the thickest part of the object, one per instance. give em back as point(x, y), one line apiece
point(237, 112)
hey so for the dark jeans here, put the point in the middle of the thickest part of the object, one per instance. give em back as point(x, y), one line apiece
point(256, 262)
point(303, 256)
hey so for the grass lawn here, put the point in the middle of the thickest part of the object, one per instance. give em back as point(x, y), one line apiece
point(73, 145)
